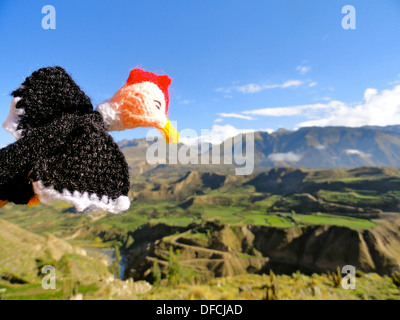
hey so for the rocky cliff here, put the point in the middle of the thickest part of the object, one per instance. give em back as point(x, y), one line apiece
point(225, 250)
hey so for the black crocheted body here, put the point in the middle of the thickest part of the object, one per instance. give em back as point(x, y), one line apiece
point(47, 94)
point(64, 143)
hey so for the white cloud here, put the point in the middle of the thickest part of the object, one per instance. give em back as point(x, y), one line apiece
point(186, 101)
point(288, 111)
point(235, 115)
point(269, 130)
point(218, 120)
point(312, 84)
point(254, 87)
point(357, 152)
point(303, 69)
point(323, 99)
point(216, 135)
point(395, 81)
point(285, 157)
point(291, 83)
point(378, 108)
point(369, 94)
point(320, 147)
point(250, 88)
point(225, 90)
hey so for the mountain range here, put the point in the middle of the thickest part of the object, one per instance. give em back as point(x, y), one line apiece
point(308, 147)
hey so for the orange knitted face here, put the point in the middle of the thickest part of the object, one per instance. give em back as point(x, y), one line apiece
point(138, 75)
point(143, 105)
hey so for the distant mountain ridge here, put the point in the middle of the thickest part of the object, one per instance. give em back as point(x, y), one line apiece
point(329, 147)
point(308, 147)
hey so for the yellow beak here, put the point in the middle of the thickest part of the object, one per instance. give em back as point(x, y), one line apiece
point(170, 134)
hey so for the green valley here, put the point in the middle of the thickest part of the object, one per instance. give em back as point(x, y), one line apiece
point(209, 227)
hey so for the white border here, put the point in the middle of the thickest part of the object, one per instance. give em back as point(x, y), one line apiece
point(82, 202)
point(13, 119)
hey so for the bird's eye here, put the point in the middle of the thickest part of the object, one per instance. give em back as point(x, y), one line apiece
point(158, 104)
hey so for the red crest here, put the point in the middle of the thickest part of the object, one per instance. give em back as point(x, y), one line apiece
point(138, 75)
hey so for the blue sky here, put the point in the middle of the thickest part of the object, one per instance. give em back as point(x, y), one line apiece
point(232, 62)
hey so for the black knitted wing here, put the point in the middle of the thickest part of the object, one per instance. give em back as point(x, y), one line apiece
point(16, 161)
point(72, 159)
point(83, 166)
point(46, 95)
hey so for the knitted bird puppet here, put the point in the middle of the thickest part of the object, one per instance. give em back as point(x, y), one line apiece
point(63, 151)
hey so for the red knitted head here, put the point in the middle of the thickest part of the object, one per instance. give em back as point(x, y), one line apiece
point(138, 75)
